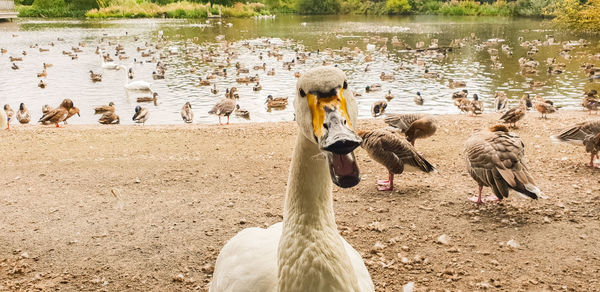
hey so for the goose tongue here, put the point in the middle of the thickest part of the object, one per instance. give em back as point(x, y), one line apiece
point(343, 169)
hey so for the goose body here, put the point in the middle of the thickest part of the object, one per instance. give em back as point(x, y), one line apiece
point(186, 113)
point(141, 115)
point(414, 126)
point(223, 108)
point(138, 85)
point(496, 158)
point(298, 254)
point(394, 152)
point(584, 133)
point(23, 115)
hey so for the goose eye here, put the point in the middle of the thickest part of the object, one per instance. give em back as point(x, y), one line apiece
point(344, 122)
point(345, 85)
point(302, 93)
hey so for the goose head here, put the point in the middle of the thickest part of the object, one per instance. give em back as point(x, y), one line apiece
point(326, 111)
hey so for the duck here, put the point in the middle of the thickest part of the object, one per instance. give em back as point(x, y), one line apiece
point(42, 74)
point(544, 107)
point(414, 126)
point(378, 108)
point(465, 105)
point(500, 101)
point(527, 100)
point(10, 113)
point(141, 115)
point(105, 108)
point(430, 75)
point(157, 76)
point(110, 65)
point(241, 112)
point(109, 118)
point(14, 66)
point(203, 82)
point(584, 133)
point(418, 99)
point(297, 74)
point(46, 108)
point(389, 96)
point(23, 115)
point(591, 104)
point(57, 115)
point(3, 120)
point(271, 72)
point(71, 112)
point(496, 158)
point(536, 84)
point(267, 259)
point(385, 77)
point(276, 102)
point(15, 59)
point(373, 87)
point(257, 87)
point(515, 114)
point(224, 107)
point(186, 113)
point(96, 77)
point(214, 90)
point(42, 84)
point(243, 80)
point(477, 105)
point(263, 67)
point(130, 73)
point(456, 84)
point(394, 152)
point(153, 99)
point(46, 65)
point(460, 94)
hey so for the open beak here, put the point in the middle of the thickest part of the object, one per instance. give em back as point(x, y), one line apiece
point(333, 132)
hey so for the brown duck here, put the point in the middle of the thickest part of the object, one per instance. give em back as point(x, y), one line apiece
point(544, 107)
point(109, 118)
point(584, 133)
point(515, 114)
point(394, 152)
point(105, 108)
point(495, 159)
point(58, 114)
point(414, 126)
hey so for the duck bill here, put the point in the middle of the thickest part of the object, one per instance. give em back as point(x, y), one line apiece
point(336, 138)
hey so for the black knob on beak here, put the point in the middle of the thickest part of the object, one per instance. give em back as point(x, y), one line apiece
point(338, 137)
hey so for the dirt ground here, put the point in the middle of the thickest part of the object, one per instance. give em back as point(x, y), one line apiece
point(180, 192)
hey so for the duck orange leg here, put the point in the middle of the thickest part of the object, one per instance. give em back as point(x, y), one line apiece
point(390, 183)
point(228, 120)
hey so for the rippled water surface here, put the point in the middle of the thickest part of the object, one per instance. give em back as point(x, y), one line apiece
point(192, 41)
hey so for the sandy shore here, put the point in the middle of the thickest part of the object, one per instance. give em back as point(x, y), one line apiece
point(182, 191)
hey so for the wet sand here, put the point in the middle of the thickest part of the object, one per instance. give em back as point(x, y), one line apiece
point(181, 191)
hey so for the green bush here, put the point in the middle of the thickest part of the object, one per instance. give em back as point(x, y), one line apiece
point(318, 6)
point(398, 6)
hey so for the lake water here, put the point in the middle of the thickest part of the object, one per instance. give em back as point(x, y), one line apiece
point(192, 39)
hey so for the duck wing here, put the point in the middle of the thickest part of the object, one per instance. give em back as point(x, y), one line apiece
point(577, 133)
point(496, 159)
point(394, 151)
point(402, 121)
point(54, 116)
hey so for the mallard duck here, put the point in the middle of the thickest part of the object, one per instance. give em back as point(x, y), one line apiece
point(536, 84)
point(57, 115)
point(430, 75)
point(527, 100)
point(203, 82)
point(243, 80)
point(515, 114)
point(378, 108)
point(255, 78)
point(214, 90)
point(157, 76)
point(263, 67)
point(74, 57)
point(544, 107)
point(96, 77)
point(477, 105)
point(105, 108)
point(394, 152)
point(71, 112)
point(456, 84)
point(43, 74)
point(554, 70)
point(154, 98)
point(42, 84)
point(385, 77)
point(591, 104)
point(109, 118)
point(10, 113)
point(232, 93)
point(257, 87)
point(224, 107)
point(15, 59)
point(373, 87)
point(389, 96)
point(241, 112)
point(276, 102)
point(186, 113)
point(23, 115)
point(141, 115)
point(414, 126)
point(584, 133)
point(46, 65)
point(500, 101)
point(418, 99)
point(464, 105)
point(14, 66)
point(496, 159)
point(460, 94)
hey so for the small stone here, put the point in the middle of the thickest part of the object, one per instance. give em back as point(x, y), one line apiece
point(137, 181)
point(243, 221)
point(546, 219)
point(408, 287)
point(25, 255)
point(405, 260)
point(178, 278)
point(208, 268)
point(513, 243)
point(443, 239)
point(405, 248)
point(377, 247)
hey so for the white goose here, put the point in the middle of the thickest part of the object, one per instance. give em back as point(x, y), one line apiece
point(305, 252)
point(110, 65)
point(139, 85)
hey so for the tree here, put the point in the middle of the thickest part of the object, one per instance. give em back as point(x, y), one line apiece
point(318, 6)
point(398, 6)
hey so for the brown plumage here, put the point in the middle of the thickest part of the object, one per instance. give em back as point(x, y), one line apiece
point(378, 108)
point(57, 115)
point(71, 112)
point(515, 114)
point(543, 106)
point(394, 152)
point(105, 108)
point(496, 159)
point(108, 118)
point(591, 104)
point(223, 108)
point(414, 126)
point(584, 133)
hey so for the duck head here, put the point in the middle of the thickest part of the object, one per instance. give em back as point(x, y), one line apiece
point(326, 111)
point(137, 109)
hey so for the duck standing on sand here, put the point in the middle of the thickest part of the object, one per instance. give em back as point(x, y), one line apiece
point(10, 113)
point(141, 115)
point(414, 126)
point(23, 115)
point(544, 107)
point(186, 113)
point(515, 114)
point(584, 133)
point(496, 158)
point(378, 108)
point(57, 115)
point(224, 107)
point(394, 152)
